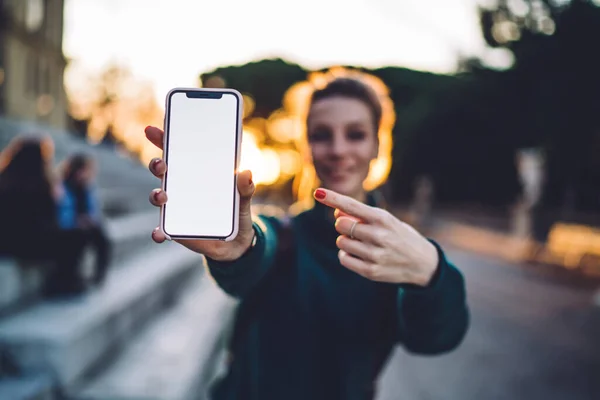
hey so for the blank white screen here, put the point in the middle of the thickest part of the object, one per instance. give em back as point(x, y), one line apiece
point(200, 181)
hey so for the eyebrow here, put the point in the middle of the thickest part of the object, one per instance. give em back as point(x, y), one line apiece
point(357, 124)
point(317, 125)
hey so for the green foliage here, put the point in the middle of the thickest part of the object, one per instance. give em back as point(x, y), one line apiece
point(554, 88)
point(266, 81)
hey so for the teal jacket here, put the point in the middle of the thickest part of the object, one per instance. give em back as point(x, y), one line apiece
point(322, 331)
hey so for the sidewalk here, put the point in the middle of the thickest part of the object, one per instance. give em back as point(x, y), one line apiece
point(566, 249)
point(571, 246)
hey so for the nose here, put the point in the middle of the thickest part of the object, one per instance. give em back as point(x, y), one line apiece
point(339, 146)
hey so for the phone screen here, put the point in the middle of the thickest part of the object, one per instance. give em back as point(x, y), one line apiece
point(201, 149)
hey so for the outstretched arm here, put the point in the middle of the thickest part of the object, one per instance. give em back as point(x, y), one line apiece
point(434, 319)
point(238, 277)
point(432, 308)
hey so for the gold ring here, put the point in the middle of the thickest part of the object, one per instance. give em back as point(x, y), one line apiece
point(352, 229)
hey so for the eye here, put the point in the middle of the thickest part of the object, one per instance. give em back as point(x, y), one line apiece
point(356, 135)
point(319, 135)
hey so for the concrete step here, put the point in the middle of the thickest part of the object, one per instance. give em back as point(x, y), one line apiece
point(37, 387)
point(20, 284)
point(176, 356)
point(131, 232)
point(66, 339)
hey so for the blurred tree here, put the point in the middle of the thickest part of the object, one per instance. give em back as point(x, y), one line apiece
point(96, 100)
point(266, 81)
point(114, 106)
point(554, 86)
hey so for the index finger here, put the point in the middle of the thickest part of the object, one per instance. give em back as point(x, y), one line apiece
point(346, 204)
point(155, 136)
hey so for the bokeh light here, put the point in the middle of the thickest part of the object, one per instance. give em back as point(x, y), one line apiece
point(274, 148)
point(263, 162)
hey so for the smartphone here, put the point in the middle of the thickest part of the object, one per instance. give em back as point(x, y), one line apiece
point(202, 145)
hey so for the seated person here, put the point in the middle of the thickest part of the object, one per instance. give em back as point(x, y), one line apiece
point(79, 209)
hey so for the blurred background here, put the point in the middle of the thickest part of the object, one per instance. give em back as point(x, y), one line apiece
point(496, 154)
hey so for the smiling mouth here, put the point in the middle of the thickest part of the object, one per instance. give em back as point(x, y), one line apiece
point(337, 175)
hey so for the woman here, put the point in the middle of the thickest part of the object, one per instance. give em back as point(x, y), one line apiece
point(27, 197)
point(354, 282)
point(28, 202)
point(79, 210)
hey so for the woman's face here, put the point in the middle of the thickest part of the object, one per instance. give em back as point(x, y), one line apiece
point(86, 175)
point(343, 142)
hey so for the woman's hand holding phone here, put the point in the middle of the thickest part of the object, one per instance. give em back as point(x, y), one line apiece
point(215, 249)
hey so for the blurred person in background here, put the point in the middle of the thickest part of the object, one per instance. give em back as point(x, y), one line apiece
point(327, 294)
point(29, 195)
point(79, 209)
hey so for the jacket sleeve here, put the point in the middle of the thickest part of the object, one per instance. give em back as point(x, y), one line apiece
point(65, 209)
point(434, 319)
point(238, 277)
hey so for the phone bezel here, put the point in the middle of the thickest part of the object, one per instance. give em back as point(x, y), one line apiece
point(204, 93)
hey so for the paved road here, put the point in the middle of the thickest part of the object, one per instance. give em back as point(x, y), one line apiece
point(534, 335)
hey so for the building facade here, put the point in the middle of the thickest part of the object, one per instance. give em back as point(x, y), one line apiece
point(32, 62)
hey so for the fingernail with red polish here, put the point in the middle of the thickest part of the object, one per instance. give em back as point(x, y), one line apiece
point(320, 194)
point(155, 162)
point(156, 194)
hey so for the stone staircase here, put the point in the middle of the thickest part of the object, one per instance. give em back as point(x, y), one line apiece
point(158, 324)
point(66, 340)
point(153, 330)
point(123, 185)
point(176, 356)
point(20, 284)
